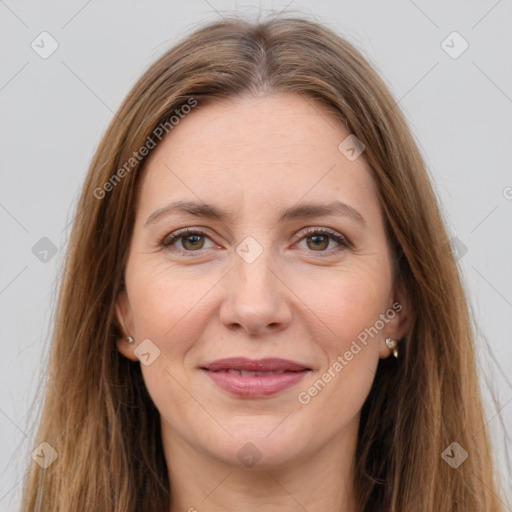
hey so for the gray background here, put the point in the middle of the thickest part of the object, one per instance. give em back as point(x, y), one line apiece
point(54, 111)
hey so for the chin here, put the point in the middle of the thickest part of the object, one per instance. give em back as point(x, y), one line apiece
point(261, 444)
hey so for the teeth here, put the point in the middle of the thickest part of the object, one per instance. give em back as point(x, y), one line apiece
point(245, 373)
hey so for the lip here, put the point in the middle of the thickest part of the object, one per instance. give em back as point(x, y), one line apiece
point(228, 374)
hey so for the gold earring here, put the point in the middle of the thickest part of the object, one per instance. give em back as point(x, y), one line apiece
point(393, 346)
point(129, 339)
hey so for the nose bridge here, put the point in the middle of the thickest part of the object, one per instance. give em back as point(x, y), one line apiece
point(256, 299)
point(253, 262)
point(254, 276)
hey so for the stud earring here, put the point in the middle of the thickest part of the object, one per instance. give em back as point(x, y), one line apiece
point(393, 346)
point(129, 339)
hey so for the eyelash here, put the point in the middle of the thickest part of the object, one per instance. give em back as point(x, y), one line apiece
point(168, 240)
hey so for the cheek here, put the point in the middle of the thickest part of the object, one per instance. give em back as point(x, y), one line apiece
point(351, 303)
point(350, 309)
point(167, 309)
point(168, 306)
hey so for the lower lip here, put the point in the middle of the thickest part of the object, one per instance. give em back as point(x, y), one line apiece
point(256, 386)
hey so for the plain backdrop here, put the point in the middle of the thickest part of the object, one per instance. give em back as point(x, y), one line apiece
point(55, 109)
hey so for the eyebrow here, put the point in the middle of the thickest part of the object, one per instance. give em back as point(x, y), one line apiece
point(301, 211)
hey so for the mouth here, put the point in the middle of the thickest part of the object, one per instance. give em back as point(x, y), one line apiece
point(255, 378)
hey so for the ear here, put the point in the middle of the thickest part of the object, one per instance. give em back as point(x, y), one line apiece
point(124, 319)
point(400, 319)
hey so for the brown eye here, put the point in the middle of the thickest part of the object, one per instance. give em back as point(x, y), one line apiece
point(318, 242)
point(192, 242)
point(187, 241)
point(323, 241)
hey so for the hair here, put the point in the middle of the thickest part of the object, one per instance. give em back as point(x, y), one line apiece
point(97, 413)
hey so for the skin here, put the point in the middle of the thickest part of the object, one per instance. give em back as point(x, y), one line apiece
point(297, 300)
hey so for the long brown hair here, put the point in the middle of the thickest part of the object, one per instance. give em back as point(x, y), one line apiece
point(97, 414)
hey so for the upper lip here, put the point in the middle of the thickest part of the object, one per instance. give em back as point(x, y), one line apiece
point(255, 365)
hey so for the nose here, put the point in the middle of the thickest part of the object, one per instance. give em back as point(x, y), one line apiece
point(256, 300)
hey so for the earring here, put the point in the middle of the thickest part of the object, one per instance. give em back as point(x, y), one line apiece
point(393, 346)
point(129, 339)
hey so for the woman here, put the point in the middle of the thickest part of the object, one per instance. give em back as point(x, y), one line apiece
point(261, 309)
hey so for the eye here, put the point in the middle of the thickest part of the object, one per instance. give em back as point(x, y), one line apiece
point(186, 240)
point(319, 239)
point(190, 240)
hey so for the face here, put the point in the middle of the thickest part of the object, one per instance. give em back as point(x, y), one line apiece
point(260, 303)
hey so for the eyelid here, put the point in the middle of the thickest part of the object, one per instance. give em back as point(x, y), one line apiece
point(317, 229)
point(173, 237)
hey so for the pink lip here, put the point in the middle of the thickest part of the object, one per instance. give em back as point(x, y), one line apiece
point(225, 373)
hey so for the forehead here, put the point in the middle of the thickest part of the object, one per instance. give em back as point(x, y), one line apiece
point(256, 151)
